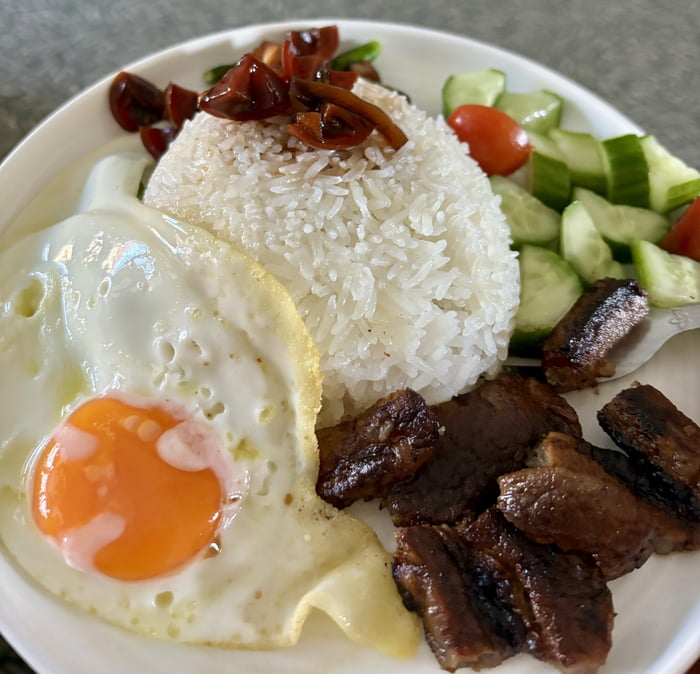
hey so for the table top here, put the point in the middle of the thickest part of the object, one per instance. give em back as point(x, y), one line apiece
point(640, 55)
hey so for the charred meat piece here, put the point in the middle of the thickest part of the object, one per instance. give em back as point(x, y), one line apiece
point(487, 432)
point(462, 596)
point(648, 426)
point(567, 499)
point(562, 597)
point(670, 532)
point(362, 458)
point(576, 352)
point(661, 459)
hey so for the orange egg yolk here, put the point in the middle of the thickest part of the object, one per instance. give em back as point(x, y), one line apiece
point(102, 489)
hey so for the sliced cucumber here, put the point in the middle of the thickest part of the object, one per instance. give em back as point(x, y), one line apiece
point(584, 157)
point(672, 182)
point(582, 246)
point(626, 170)
point(620, 225)
point(530, 221)
point(671, 280)
point(549, 178)
point(482, 87)
point(538, 111)
point(548, 288)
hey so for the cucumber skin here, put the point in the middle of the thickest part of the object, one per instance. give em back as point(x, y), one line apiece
point(677, 196)
point(527, 344)
point(550, 180)
point(665, 196)
point(627, 171)
point(548, 174)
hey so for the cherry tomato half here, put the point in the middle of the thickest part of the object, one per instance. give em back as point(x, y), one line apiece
point(496, 141)
point(684, 237)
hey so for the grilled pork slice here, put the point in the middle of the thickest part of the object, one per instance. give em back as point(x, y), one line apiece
point(567, 499)
point(576, 352)
point(487, 432)
point(661, 459)
point(562, 597)
point(462, 596)
point(363, 457)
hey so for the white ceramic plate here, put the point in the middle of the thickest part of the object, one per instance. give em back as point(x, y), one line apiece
point(657, 628)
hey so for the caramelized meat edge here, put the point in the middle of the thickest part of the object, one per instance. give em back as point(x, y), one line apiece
point(363, 457)
point(576, 352)
point(485, 592)
point(567, 499)
point(462, 596)
point(660, 460)
point(563, 598)
point(487, 432)
point(528, 574)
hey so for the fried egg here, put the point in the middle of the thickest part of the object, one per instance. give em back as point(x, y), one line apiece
point(158, 456)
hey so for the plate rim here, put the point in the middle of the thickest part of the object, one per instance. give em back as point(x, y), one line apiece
point(202, 40)
point(682, 657)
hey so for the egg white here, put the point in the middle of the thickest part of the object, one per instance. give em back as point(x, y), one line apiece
point(120, 298)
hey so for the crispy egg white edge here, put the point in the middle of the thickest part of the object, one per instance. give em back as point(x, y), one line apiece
point(334, 590)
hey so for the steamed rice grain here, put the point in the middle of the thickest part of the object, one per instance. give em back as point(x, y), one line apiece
point(399, 262)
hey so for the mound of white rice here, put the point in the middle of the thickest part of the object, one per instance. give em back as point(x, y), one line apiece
point(399, 262)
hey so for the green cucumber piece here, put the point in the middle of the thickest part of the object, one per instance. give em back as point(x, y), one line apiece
point(672, 183)
point(530, 221)
point(671, 280)
point(480, 87)
point(620, 225)
point(626, 170)
point(538, 111)
point(582, 246)
point(549, 178)
point(584, 157)
point(549, 286)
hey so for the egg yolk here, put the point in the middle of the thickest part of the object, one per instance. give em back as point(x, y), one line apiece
point(107, 491)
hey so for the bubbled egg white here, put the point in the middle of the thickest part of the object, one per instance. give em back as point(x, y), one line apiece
point(118, 303)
